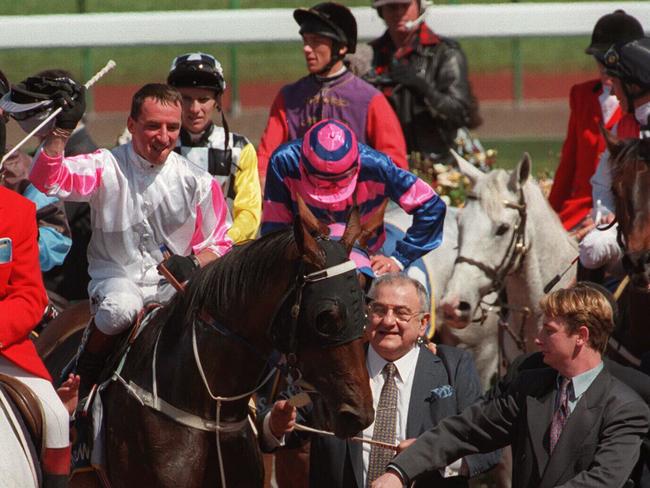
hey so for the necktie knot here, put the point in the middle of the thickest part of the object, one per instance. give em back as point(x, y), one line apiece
point(389, 371)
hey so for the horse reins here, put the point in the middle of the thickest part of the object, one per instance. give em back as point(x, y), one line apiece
point(151, 399)
point(511, 262)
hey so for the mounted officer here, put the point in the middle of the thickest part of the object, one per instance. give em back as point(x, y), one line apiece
point(329, 32)
point(424, 76)
point(226, 155)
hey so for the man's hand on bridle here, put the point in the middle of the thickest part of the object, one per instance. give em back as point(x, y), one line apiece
point(383, 264)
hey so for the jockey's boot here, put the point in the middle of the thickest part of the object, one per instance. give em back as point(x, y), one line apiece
point(596, 275)
point(93, 357)
point(56, 467)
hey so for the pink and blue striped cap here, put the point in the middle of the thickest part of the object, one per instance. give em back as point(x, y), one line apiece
point(329, 161)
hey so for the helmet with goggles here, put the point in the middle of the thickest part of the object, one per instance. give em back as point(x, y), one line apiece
point(630, 62)
point(329, 161)
point(31, 101)
point(197, 70)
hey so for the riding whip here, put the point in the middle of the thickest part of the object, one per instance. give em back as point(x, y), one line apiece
point(109, 66)
point(549, 286)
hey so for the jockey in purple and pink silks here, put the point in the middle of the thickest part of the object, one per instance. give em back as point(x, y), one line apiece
point(327, 168)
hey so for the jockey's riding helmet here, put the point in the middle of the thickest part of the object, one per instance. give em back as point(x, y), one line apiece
point(197, 70)
point(332, 20)
point(630, 62)
point(30, 101)
point(617, 27)
point(329, 161)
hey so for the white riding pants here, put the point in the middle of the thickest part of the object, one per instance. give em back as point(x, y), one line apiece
point(115, 302)
point(57, 419)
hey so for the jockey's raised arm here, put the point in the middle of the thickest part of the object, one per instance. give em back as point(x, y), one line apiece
point(144, 198)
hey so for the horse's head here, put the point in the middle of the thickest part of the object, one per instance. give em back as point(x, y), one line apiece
point(322, 323)
point(491, 238)
point(630, 161)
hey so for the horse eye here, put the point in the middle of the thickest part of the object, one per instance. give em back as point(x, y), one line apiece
point(502, 229)
point(328, 322)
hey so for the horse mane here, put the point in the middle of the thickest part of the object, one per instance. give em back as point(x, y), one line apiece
point(631, 150)
point(234, 281)
point(227, 286)
point(491, 188)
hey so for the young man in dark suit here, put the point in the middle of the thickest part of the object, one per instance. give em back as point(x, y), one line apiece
point(572, 424)
point(425, 388)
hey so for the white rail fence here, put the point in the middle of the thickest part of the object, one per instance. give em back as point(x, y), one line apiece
point(270, 25)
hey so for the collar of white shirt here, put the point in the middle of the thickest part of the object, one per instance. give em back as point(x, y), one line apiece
point(405, 365)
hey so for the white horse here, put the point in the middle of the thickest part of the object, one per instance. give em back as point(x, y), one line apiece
point(510, 240)
point(16, 464)
point(434, 271)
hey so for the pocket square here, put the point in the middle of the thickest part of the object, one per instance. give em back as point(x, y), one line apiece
point(444, 391)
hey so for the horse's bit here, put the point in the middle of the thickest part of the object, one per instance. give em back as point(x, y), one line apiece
point(511, 262)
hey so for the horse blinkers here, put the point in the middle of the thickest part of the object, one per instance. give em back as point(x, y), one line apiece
point(322, 309)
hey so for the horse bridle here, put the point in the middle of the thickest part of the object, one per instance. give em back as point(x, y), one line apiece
point(511, 262)
point(153, 401)
point(515, 252)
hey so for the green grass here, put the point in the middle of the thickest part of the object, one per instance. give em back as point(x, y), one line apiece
point(545, 154)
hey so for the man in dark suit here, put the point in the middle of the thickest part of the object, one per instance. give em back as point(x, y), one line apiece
point(429, 387)
point(569, 425)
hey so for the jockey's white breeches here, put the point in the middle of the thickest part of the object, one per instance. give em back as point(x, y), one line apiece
point(57, 419)
point(600, 248)
point(115, 302)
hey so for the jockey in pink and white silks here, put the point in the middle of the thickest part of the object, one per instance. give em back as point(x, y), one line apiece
point(629, 66)
point(136, 207)
point(329, 169)
point(146, 202)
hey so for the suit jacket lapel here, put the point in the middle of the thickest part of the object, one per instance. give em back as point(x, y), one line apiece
point(429, 373)
point(539, 414)
point(356, 460)
point(582, 420)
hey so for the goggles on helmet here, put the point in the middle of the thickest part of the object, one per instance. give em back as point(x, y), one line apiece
point(197, 70)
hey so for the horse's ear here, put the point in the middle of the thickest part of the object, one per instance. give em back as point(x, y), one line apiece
point(468, 169)
point(372, 224)
point(614, 144)
point(521, 173)
point(309, 219)
point(307, 247)
point(352, 229)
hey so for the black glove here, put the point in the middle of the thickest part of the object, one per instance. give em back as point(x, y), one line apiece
point(72, 100)
point(181, 267)
point(405, 74)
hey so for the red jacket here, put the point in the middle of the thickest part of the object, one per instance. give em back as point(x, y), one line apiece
point(22, 295)
point(571, 193)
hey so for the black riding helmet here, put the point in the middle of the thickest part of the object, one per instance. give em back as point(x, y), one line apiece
point(617, 27)
point(630, 63)
point(329, 19)
point(197, 70)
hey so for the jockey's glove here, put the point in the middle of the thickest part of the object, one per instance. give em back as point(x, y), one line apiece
point(406, 75)
point(72, 101)
point(181, 267)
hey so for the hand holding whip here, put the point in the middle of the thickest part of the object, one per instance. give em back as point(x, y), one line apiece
point(109, 66)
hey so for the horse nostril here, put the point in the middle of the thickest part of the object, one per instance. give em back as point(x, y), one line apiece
point(464, 307)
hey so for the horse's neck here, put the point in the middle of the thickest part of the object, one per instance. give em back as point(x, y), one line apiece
point(550, 251)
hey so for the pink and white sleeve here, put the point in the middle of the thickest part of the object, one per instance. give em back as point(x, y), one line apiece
point(75, 178)
point(212, 223)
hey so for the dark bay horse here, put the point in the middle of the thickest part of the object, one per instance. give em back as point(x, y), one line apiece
point(630, 163)
point(288, 291)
